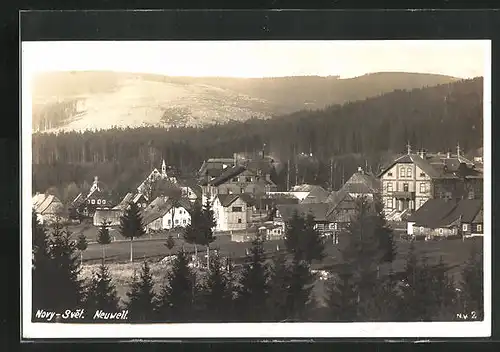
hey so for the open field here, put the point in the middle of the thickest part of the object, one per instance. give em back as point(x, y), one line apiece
point(454, 253)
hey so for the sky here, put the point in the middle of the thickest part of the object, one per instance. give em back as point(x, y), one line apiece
point(463, 59)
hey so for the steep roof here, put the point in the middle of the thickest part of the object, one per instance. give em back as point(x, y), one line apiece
point(442, 213)
point(318, 210)
point(227, 175)
point(317, 195)
point(228, 199)
point(47, 204)
point(478, 219)
point(340, 200)
point(362, 182)
point(125, 201)
point(436, 165)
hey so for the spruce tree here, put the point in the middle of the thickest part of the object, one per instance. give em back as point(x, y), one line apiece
point(217, 293)
point(253, 285)
point(208, 225)
point(444, 292)
point(385, 304)
point(177, 299)
point(342, 298)
point(361, 255)
point(384, 233)
point(298, 298)
point(81, 245)
point(103, 238)
point(278, 288)
point(131, 225)
point(65, 270)
point(101, 292)
point(169, 243)
point(141, 297)
point(472, 289)
point(42, 284)
point(193, 231)
point(302, 240)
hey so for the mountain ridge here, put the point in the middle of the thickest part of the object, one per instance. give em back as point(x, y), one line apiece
point(65, 101)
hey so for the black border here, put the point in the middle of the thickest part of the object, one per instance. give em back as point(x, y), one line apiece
point(266, 25)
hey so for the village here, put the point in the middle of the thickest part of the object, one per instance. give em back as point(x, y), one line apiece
point(426, 196)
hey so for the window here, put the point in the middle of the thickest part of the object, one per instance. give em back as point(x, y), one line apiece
point(389, 203)
point(422, 174)
point(421, 229)
point(235, 179)
point(389, 186)
point(93, 201)
point(471, 195)
point(248, 179)
point(169, 222)
point(184, 221)
point(405, 187)
point(176, 221)
point(401, 172)
point(239, 221)
point(408, 172)
point(242, 190)
point(465, 227)
point(98, 201)
point(389, 174)
point(422, 187)
point(144, 205)
point(104, 201)
point(441, 231)
point(237, 209)
point(479, 228)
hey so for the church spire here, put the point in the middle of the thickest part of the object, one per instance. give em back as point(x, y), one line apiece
point(408, 148)
point(458, 149)
point(163, 168)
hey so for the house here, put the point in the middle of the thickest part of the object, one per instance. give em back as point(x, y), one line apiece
point(341, 209)
point(315, 194)
point(109, 216)
point(214, 167)
point(47, 207)
point(362, 183)
point(444, 217)
point(318, 210)
point(190, 190)
point(138, 198)
point(165, 213)
point(252, 178)
point(414, 178)
point(271, 231)
point(155, 175)
point(97, 197)
point(232, 211)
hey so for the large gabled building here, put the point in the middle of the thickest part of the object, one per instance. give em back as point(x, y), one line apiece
point(414, 178)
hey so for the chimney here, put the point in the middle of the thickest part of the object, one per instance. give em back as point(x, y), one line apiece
point(235, 159)
point(448, 155)
point(360, 169)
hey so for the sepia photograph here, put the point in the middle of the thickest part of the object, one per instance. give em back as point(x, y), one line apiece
point(280, 188)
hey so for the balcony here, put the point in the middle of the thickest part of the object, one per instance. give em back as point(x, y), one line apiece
point(403, 195)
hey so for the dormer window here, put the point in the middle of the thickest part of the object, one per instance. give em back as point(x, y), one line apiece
point(235, 179)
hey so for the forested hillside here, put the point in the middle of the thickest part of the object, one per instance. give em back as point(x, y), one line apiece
point(340, 138)
point(76, 101)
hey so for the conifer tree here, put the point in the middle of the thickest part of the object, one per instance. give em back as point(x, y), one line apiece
point(384, 233)
point(253, 285)
point(298, 298)
point(131, 225)
point(42, 284)
point(342, 298)
point(385, 303)
point(472, 289)
point(444, 292)
point(169, 243)
point(217, 293)
point(193, 231)
point(207, 234)
point(101, 292)
point(103, 238)
point(302, 240)
point(177, 299)
point(141, 297)
point(361, 256)
point(81, 245)
point(278, 288)
point(65, 270)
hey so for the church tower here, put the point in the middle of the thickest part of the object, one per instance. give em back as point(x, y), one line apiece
point(163, 168)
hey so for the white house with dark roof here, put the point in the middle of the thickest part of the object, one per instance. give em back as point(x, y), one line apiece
point(232, 212)
point(414, 178)
point(47, 207)
point(164, 213)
